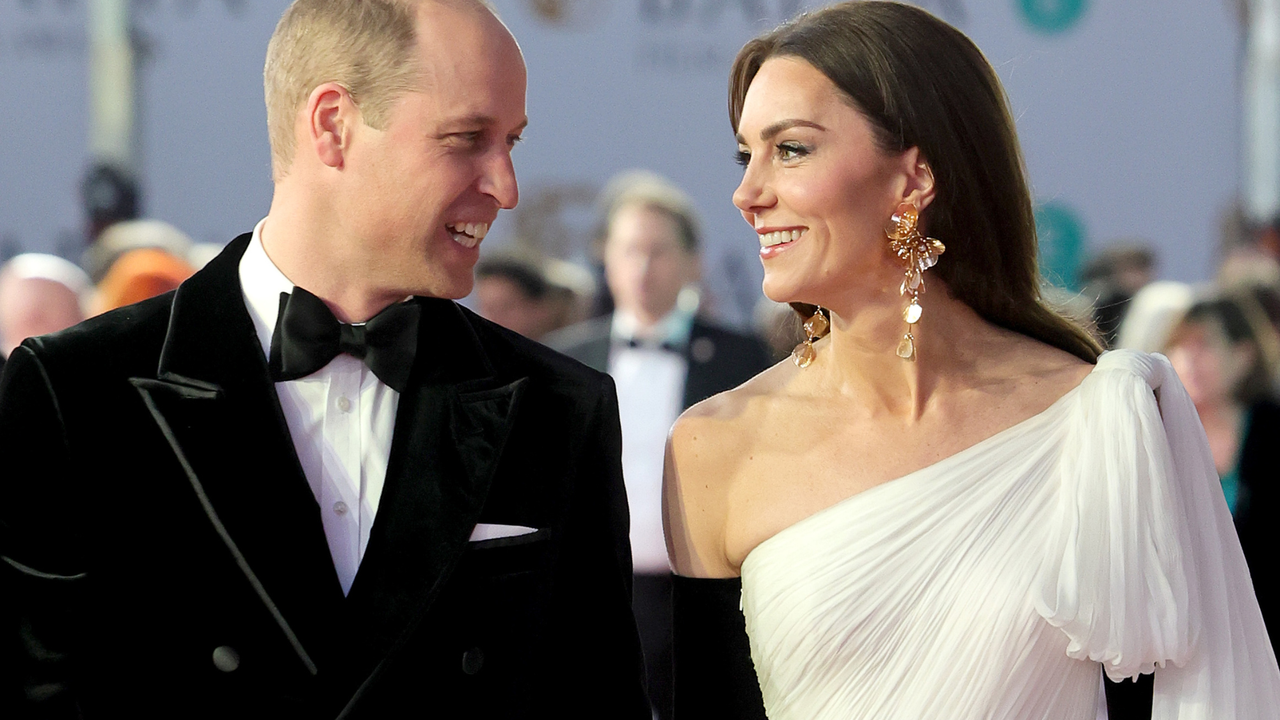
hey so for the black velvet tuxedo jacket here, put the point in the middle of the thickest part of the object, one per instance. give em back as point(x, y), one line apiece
point(718, 359)
point(164, 554)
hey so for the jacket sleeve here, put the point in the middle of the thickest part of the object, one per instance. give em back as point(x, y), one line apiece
point(597, 639)
point(41, 567)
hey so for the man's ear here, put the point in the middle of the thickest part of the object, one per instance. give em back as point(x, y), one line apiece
point(919, 188)
point(330, 116)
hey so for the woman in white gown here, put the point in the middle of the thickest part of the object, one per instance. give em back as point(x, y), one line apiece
point(949, 506)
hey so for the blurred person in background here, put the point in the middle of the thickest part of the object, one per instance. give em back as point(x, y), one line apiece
point(128, 235)
point(1151, 315)
point(39, 294)
point(532, 296)
point(140, 274)
point(1112, 278)
point(664, 358)
point(1251, 269)
point(110, 196)
point(1254, 238)
point(1226, 352)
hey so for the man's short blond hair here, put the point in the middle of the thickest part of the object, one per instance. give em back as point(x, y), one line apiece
point(366, 46)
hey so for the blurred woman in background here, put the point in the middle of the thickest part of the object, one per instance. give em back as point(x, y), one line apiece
point(1225, 352)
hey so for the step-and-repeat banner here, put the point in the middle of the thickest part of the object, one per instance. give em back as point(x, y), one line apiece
point(1128, 114)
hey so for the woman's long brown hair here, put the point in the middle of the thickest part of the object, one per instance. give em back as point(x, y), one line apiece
point(923, 84)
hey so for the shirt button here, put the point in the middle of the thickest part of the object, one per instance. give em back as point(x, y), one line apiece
point(340, 508)
point(344, 404)
point(472, 661)
point(226, 659)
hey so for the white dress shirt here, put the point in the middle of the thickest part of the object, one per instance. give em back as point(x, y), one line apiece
point(341, 419)
point(650, 382)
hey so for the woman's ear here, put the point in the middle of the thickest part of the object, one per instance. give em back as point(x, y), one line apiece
point(919, 188)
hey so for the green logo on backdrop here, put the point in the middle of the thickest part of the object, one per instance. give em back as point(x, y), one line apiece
point(1052, 16)
point(1061, 235)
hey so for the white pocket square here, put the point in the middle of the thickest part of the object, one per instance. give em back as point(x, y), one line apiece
point(492, 531)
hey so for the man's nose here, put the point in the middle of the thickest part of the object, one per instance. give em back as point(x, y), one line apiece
point(499, 181)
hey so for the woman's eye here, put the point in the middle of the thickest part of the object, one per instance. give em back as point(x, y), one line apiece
point(742, 157)
point(791, 151)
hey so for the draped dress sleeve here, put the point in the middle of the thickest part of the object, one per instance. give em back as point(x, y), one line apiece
point(1143, 569)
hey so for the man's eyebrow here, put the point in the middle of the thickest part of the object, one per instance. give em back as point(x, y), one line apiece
point(768, 133)
point(480, 120)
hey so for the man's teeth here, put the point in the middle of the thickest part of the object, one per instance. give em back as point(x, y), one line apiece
point(778, 237)
point(468, 234)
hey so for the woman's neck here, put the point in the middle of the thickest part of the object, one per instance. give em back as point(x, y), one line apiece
point(861, 357)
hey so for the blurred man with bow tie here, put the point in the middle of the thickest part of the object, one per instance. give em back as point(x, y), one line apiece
point(663, 358)
point(308, 484)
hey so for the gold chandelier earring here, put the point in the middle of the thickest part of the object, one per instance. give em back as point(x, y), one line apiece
point(917, 253)
point(814, 329)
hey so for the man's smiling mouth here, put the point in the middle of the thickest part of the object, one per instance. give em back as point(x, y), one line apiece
point(467, 234)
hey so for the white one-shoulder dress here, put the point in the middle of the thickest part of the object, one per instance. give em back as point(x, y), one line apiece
point(991, 584)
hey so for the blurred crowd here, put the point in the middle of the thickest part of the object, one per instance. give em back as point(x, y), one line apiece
point(131, 261)
point(1223, 339)
point(638, 311)
point(126, 260)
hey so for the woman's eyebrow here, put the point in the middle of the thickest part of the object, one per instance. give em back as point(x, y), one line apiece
point(774, 129)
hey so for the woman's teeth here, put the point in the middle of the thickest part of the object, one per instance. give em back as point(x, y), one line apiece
point(467, 234)
point(778, 237)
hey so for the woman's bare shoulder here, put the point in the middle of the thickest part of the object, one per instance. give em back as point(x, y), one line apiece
point(703, 453)
point(1030, 373)
point(1049, 370)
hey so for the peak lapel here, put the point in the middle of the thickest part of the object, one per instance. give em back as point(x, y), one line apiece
point(216, 406)
point(451, 426)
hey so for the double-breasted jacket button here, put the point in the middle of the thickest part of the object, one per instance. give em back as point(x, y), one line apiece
point(225, 658)
point(472, 661)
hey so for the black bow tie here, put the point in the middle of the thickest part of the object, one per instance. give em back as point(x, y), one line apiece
point(666, 346)
point(308, 336)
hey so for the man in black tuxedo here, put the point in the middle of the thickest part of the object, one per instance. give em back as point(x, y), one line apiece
point(225, 502)
point(664, 358)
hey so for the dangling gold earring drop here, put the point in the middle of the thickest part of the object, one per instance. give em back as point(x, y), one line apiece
point(917, 253)
point(814, 328)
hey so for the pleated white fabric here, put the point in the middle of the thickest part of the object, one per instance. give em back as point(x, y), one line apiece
point(993, 583)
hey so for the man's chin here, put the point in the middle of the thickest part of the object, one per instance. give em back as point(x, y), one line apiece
point(447, 289)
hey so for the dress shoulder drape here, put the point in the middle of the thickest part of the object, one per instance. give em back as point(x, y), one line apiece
point(991, 584)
